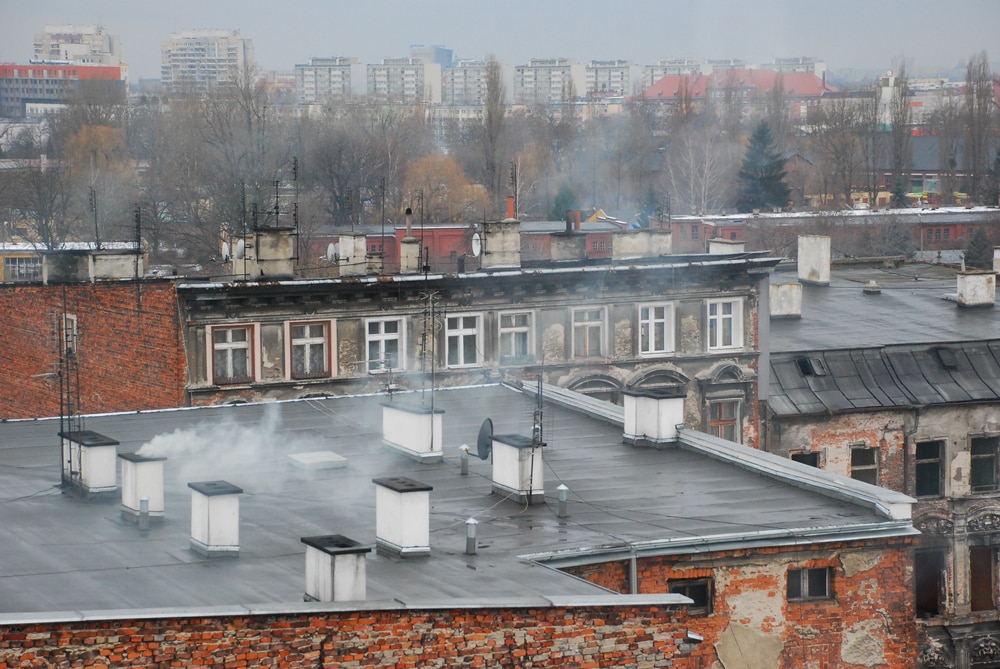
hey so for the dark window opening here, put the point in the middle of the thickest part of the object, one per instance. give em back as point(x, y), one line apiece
point(804, 584)
point(982, 561)
point(699, 590)
point(928, 464)
point(984, 464)
point(811, 366)
point(864, 465)
point(928, 574)
point(811, 458)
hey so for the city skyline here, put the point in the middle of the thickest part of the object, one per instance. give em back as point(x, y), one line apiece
point(846, 36)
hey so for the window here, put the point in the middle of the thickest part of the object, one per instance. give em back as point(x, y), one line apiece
point(515, 337)
point(656, 329)
point(694, 231)
point(984, 464)
point(725, 324)
point(588, 333)
point(309, 350)
point(982, 563)
point(69, 334)
point(231, 355)
point(699, 590)
point(463, 341)
point(864, 464)
point(804, 584)
point(384, 344)
point(928, 462)
point(723, 420)
point(22, 269)
point(810, 458)
point(947, 233)
point(928, 572)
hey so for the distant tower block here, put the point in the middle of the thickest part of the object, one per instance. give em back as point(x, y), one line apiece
point(215, 518)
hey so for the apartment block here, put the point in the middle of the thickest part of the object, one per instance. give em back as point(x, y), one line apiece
point(77, 44)
point(546, 81)
point(41, 85)
point(465, 84)
point(323, 79)
point(201, 59)
point(676, 67)
point(608, 77)
point(406, 80)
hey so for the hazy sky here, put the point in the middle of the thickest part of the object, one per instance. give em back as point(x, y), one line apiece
point(845, 33)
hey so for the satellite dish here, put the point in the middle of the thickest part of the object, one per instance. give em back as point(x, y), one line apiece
point(241, 249)
point(331, 252)
point(477, 245)
point(225, 252)
point(484, 444)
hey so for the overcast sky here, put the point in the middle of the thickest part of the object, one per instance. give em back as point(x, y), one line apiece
point(847, 34)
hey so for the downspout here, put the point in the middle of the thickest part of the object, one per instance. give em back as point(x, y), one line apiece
point(906, 448)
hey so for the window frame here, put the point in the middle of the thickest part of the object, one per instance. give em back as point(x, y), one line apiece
point(309, 341)
point(667, 320)
point(802, 458)
point(601, 324)
point(69, 334)
point(715, 422)
point(714, 325)
point(512, 332)
point(863, 469)
point(249, 346)
point(926, 464)
point(982, 578)
point(461, 333)
point(684, 586)
point(993, 457)
point(799, 584)
point(381, 337)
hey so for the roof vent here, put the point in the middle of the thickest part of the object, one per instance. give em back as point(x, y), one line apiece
point(947, 357)
point(811, 366)
point(871, 288)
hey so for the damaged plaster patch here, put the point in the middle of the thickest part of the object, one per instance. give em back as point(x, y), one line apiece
point(854, 563)
point(863, 644)
point(740, 647)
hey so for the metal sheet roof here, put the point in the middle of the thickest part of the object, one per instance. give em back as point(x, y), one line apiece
point(60, 553)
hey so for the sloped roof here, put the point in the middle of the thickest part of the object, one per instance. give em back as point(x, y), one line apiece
point(760, 82)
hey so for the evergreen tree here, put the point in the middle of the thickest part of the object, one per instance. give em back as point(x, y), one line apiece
point(565, 201)
point(762, 174)
point(979, 251)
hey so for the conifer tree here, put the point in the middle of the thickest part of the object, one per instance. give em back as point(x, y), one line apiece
point(762, 174)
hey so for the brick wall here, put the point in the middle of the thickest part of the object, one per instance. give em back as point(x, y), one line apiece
point(869, 621)
point(580, 637)
point(130, 352)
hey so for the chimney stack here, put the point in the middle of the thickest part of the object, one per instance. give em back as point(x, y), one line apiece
point(785, 300)
point(976, 289)
point(518, 467)
point(814, 259)
point(718, 246)
point(413, 430)
point(89, 464)
point(652, 416)
point(215, 518)
point(402, 516)
point(141, 477)
point(335, 569)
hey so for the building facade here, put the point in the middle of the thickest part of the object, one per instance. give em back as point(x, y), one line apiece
point(201, 59)
point(77, 45)
point(47, 84)
point(465, 83)
point(548, 81)
point(608, 77)
point(405, 80)
point(323, 79)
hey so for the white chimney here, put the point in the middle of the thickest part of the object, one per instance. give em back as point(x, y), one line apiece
point(413, 430)
point(335, 569)
point(141, 477)
point(643, 243)
point(89, 466)
point(353, 255)
point(409, 255)
point(268, 254)
point(652, 415)
point(785, 300)
point(402, 516)
point(996, 258)
point(725, 246)
point(501, 244)
point(215, 518)
point(814, 259)
point(518, 467)
point(976, 289)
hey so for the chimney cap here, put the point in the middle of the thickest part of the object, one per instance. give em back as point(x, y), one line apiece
point(135, 457)
point(515, 440)
point(402, 484)
point(212, 488)
point(88, 438)
point(335, 544)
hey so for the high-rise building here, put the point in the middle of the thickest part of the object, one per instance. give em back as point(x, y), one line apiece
point(42, 85)
point(673, 67)
point(465, 84)
point(608, 77)
point(406, 80)
point(200, 59)
point(323, 79)
point(547, 81)
point(77, 45)
point(433, 53)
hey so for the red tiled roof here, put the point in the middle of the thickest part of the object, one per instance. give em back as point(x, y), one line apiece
point(759, 82)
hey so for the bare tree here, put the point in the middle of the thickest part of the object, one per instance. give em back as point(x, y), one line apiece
point(979, 104)
point(837, 147)
point(873, 149)
point(900, 149)
point(494, 124)
point(946, 123)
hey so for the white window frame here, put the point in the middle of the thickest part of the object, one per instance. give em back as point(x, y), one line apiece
point(647, 325)
point(585, 327)
point(69, 335)
point(250, 346)
point(309, 341)
point(716, 322)
point(506, 335)
point(462, 331)
point(378, 366)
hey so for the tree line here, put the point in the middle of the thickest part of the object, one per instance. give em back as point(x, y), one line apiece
point(182, 172)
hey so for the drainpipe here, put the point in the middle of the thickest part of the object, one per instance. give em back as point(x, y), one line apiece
point(906, 449)
point(633, 574)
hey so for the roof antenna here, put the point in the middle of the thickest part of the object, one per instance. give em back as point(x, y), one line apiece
point(536, 423)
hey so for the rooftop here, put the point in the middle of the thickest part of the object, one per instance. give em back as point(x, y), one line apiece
point(64, 554)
